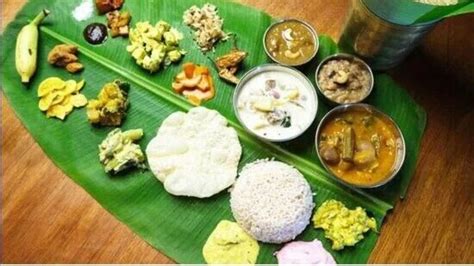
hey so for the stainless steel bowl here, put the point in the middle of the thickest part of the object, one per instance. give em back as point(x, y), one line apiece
point(311, 29)
point(400, 143)
point(273, 67)
point(350, 58)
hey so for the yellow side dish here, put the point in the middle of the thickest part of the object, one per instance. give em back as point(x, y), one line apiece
point(58, 97)
point(230, 244)
point(343, 226)
point(155, 46)
point(109, 109)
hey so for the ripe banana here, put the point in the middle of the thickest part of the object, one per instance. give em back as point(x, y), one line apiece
point(26, 48)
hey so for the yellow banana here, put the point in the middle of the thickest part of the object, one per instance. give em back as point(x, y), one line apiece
point(26, 48)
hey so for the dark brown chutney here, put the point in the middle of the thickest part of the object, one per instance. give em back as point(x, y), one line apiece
point(95, 33)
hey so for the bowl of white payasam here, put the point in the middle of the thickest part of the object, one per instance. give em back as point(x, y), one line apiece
point(275, 103)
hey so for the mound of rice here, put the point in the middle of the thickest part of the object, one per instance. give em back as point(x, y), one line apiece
point(271, 201)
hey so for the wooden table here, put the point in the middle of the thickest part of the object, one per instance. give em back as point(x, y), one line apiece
point(48, 219)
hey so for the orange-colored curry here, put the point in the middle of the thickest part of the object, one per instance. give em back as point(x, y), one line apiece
point(359, 147)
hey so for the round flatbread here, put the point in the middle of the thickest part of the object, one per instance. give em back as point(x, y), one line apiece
point(195, 154)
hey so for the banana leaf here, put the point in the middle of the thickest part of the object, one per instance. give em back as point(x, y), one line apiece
point(179, 226)
point(409, 12)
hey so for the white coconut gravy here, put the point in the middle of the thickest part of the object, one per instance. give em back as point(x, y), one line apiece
point(277, 104)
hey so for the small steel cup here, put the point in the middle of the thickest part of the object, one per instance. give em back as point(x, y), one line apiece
point(311, 29)
point(350, 58)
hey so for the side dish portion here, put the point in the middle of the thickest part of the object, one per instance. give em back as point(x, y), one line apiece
point(229, 244)
point(207, 26)
point(227, 65)
point(343, 226)
point(109, 109)
point(65, 56)
point(58, 97)
point(301, 252)
point(118, 23)
point(195, 83)
point(156, 46)
point(118, 152)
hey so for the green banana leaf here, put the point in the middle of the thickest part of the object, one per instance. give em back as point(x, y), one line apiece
point(409, 12)
point(179, 226)
point(466, 7)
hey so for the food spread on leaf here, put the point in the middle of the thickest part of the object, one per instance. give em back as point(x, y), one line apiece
point(195, 154)
point(65, 55)
point(343, 226)
point(302, 252)
point(229, 244)
point(109, 109)
point(58, 97)
point(207, 26)
point(118, 151)
point(155, 46)
point(118, 23)
point(195, 83)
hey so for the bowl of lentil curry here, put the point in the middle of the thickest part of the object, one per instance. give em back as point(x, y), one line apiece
point(360, 146)
point(291, 42)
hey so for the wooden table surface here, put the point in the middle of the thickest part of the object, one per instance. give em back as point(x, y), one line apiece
point(49, 219)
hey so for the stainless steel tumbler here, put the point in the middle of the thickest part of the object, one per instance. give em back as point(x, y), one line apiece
point(381, 43)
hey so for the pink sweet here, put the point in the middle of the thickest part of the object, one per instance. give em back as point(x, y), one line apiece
point(300, 252)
